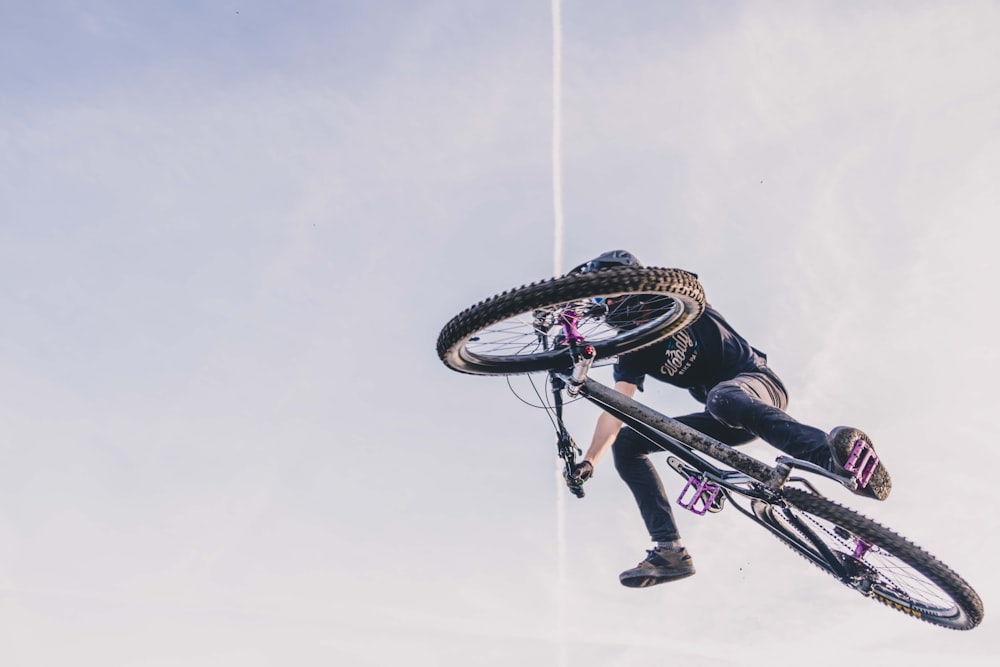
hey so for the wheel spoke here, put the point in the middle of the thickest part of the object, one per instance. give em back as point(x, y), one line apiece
point(872, 559)
point(877, 570)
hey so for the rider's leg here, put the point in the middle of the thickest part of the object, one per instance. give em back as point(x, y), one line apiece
point(755, 403)
point(668, 560)
point(704, 422)
point(752, 405)
point(630, 454)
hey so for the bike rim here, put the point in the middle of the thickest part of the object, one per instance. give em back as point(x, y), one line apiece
point(536, 334)
point(875, 571)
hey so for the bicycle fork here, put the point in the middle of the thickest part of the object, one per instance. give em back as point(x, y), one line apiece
point(564, 441)
point(583, 356)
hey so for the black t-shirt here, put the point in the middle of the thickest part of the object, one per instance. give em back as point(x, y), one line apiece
point(707, 352)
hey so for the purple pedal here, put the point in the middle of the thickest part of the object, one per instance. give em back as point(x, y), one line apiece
point(862, 462)
point(701, 491)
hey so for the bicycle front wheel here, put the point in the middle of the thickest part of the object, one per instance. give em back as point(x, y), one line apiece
point(616, 310)
point(872, 559)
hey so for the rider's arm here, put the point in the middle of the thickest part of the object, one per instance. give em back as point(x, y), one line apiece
point(607, 428)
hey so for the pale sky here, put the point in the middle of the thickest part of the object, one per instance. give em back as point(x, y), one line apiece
point(230, 233)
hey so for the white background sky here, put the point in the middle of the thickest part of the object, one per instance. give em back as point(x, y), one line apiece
point(230, 233)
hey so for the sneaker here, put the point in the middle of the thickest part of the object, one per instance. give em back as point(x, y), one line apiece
point(843, 441)
point(661, 565)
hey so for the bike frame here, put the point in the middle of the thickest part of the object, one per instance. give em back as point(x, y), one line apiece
point(679, 439)
point(749, 477)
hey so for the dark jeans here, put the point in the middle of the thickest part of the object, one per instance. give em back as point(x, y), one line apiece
point(749, 406)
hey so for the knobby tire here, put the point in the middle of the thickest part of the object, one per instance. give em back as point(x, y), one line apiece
point(457, 342)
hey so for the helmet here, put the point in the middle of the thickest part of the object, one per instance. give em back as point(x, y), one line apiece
point(607, 260)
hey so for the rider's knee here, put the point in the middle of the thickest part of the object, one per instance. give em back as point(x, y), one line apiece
point(728, 403)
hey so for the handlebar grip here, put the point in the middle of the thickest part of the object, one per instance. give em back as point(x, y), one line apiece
point(576, 488)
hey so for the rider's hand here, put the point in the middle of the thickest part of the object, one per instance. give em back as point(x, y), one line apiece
point(581, 472)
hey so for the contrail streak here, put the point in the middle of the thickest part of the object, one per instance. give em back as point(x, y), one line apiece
point(557, 199)
point(557, 269)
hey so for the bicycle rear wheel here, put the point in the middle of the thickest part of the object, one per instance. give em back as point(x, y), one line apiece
point(872, 559)
point(617, 310)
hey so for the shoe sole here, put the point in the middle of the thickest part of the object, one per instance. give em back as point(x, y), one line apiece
point(842, 440)
point(650, 578)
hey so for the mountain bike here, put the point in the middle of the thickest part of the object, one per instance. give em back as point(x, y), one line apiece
point(562, 326)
